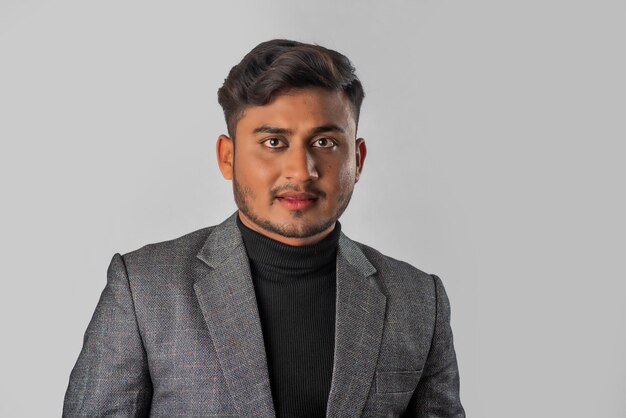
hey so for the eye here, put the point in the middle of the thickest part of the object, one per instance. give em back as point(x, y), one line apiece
point(273, 143)
point(324, 143)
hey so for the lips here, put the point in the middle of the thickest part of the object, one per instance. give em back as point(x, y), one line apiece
point(297, 201)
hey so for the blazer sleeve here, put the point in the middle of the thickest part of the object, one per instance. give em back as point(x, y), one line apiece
point(437, 393)
point(111, 375)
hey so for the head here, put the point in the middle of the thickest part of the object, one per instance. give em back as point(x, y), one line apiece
point(292, 112)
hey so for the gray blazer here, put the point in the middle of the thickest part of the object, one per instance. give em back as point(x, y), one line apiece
point(176, 332)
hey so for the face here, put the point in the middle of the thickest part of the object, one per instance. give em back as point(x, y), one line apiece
point(294, 163)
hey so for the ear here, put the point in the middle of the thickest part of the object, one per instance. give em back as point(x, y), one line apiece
point(225, 154)
point(361, 152)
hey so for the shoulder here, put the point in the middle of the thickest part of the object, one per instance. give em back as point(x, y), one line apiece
point(398, 276)
point(167, 255)
point(387, 264)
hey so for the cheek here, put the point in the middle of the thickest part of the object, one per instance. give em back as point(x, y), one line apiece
point(254, 171)
point(341, 176)
point(340, 166)
point(347, 172)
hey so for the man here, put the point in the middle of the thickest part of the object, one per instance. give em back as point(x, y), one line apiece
point(274, 312)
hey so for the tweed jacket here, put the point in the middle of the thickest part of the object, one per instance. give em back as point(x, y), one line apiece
point(176, 332)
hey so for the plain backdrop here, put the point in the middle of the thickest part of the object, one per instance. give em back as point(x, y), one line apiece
point(495, 132)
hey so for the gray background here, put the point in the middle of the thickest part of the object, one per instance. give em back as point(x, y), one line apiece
point(495, 133)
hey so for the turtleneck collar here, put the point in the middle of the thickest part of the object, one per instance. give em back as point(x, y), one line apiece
point(270, 252)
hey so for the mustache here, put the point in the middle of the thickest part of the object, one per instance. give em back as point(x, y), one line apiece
point(290, 187)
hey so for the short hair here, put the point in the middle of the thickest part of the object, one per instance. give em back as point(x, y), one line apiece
point(277, 66)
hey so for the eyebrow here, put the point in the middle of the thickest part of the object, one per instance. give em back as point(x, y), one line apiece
point(267, 129)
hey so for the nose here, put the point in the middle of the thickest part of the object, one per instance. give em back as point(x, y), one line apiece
point(300, 165)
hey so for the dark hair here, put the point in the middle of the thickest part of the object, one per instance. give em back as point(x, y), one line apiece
point(276, 66)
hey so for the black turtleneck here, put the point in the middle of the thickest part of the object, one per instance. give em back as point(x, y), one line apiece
point(295, 291)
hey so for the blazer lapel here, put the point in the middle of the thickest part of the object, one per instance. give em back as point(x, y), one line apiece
point(226, 296)
point(360, 316)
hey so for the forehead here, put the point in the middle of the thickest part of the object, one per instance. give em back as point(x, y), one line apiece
point(300, 110)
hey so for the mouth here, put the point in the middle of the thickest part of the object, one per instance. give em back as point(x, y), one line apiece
point(296, 202)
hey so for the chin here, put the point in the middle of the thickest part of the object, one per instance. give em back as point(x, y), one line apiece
point(302, 229)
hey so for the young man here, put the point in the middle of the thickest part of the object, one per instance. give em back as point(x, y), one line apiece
point(274, 312)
